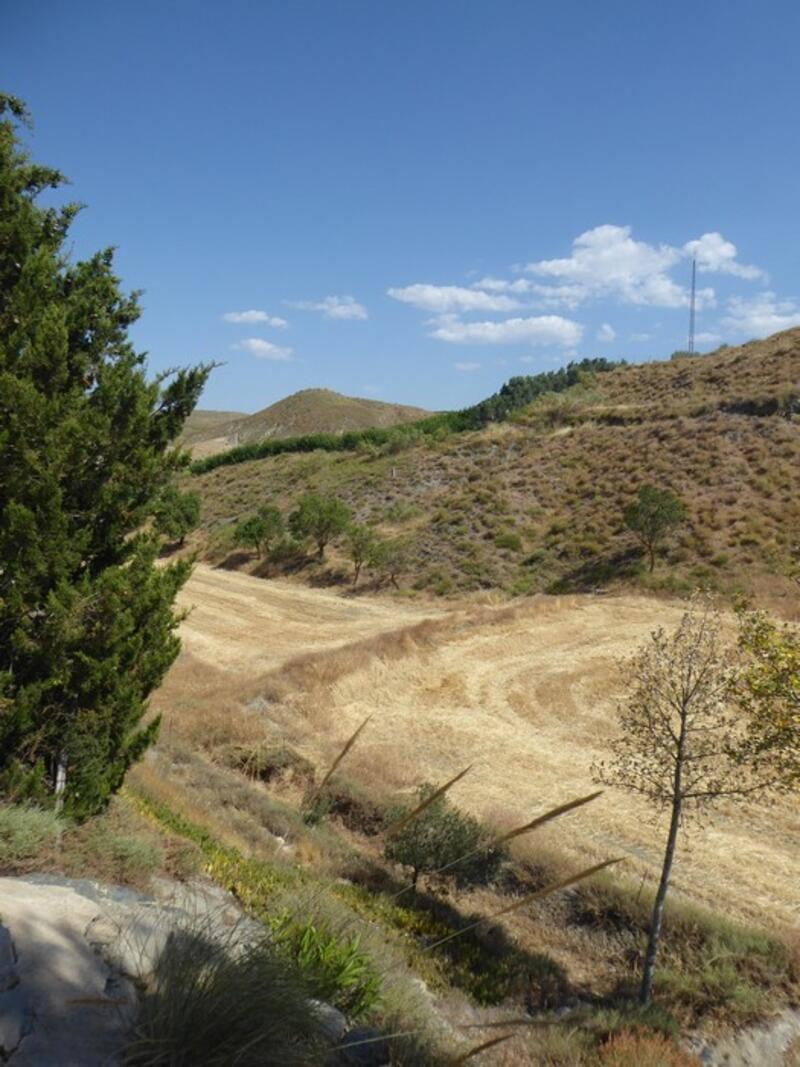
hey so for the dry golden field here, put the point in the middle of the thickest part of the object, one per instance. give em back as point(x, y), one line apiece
point(525, 692)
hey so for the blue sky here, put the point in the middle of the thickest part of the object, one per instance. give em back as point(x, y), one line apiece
point(417, 200)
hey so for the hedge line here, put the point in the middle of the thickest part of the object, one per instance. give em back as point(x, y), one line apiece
point(515, 394)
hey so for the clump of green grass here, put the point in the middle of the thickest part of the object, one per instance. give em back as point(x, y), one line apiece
point(212, 1001)
point(25, 831)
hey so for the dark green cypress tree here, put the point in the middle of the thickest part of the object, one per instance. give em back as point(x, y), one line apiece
point(87, 627)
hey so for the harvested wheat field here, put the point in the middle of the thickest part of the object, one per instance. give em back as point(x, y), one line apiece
point(526, 693)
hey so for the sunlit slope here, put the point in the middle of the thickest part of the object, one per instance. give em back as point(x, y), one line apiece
point(525, 693)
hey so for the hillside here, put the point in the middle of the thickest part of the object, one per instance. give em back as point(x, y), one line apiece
point(536, 503)
point(203, 425)
point(307, 411)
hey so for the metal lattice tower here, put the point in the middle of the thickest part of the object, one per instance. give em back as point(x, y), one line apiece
point(690, 346)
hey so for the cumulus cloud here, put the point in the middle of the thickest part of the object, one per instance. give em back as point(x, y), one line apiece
point(716, 255)
point(466, 366)
point(607, 261)
point(257, 346)
point(760, 315)
point(334, 307)
point(705, 337)
point(538, 330)
point(447, 298)
point(500, 285)
point(254, 316)
point(606, 333)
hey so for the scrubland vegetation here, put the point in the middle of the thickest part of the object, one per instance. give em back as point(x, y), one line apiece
point(538, 503)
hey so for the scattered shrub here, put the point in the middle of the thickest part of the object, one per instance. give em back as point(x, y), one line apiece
point(442, 836)
point(24, 832)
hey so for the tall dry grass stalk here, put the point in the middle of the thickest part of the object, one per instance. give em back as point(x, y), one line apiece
point(409, 817)
point(529, 898)
point(315, 796)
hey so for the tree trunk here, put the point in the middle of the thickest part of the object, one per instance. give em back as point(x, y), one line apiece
point(61, 781)
point(654, 936)
point(356, 572)
point(646, 989)
point(652, 551)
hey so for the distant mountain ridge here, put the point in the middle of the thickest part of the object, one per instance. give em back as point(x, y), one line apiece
point(304, 412)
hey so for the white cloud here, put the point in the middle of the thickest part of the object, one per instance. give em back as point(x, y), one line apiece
point(606, 333)
point(760, 315)
point(334, 307)
point(500, 285)
point(641, 336)
point(540, 330)
point(716, 255)
point(445, 298)
point(466, 366)
point(257, 346)
point(707, 338)
point(607, 261)
point(253, 316)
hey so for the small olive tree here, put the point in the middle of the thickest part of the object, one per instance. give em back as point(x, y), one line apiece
point(650, 517)
point(260, 531)
point(391, 558)
point(442, 836)
point(322, 518)
point(362, 542)
point(683, 744)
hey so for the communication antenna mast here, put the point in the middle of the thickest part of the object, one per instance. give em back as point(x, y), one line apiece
point(690, 346)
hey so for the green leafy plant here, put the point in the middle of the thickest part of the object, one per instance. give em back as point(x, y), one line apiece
point(336, 969)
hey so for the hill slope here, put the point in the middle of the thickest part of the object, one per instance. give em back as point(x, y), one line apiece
point(204, 425)
point(537, 503)
point(307, 411)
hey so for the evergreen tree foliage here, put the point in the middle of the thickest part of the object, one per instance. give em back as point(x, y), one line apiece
point(87, 629)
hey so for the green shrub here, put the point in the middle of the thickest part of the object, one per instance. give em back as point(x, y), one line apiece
point(441, 836)
point(24, 832)
point(510, 540)
point(123, 857)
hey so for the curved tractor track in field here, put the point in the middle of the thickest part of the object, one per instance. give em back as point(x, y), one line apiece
point(526, 693)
